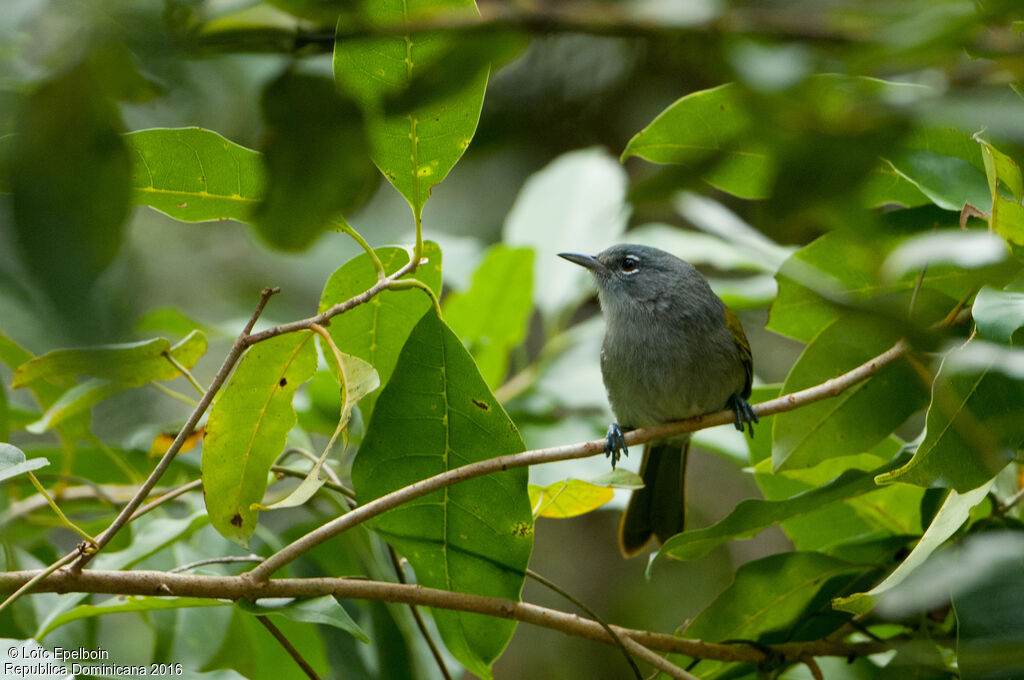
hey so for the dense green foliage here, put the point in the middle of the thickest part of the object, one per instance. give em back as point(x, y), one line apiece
point(849, 180)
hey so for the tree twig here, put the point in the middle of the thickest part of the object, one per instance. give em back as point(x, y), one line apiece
point(143, 582)
point(227, 559)
point(165, 461)
point(787, 402)
point(294, 653)
point(434, 651)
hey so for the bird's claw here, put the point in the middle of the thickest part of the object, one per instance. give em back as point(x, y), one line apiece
point(745, 415)
point(614, 442)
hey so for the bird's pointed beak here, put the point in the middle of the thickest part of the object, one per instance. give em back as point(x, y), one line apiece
point(588, 261)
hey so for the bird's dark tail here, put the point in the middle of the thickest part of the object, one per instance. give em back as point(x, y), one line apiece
point(659, 509)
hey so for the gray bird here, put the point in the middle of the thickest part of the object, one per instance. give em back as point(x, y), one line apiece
point(671, 350)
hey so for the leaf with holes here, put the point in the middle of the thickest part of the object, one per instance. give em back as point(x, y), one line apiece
point(194, 175)
point(415, 149)
point(247, 428)
point(437, 414)
point(375, 331)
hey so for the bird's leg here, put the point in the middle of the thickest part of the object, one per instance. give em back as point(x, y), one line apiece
point(614, 442)
point(744, 413)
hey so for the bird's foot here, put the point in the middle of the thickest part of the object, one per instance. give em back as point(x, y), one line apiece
point(745, 415)
point(614, 442)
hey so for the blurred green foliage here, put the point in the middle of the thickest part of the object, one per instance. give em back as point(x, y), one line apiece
point(846, 174)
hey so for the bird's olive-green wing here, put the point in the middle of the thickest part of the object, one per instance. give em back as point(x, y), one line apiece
point(743, 345)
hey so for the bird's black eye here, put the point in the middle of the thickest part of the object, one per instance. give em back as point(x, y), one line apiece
point(630, 264)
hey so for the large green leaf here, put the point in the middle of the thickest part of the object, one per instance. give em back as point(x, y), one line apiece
point(769, 594)
point(708, 131)
point(247, 427)
point(950, 517)
point(974, 426)
point(856, 419)
point(376, 331)
point(194, 175)
point(317, 160)
point(844, 268)
point(752, 516)
point(415, 149)
point(492, 316)
point(437, 414)
point(130, 365)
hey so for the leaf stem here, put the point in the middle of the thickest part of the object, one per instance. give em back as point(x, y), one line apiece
point(347, 228)
point(175, 394)
point(56, 508)
point(185, 372)
point(406, 284)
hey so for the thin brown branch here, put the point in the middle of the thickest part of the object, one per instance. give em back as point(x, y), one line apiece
point(142, 582)
point(294, 653)
point(227, 559)
point(169, 496)
point(165, 461)
point(787, 402)
point(656, 660)
point(323, 318)
point(434, 651)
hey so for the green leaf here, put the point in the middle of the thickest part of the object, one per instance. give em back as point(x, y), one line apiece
point(973, 427)
point(948, 182)
point(150, 535)
point(999, 314)
point(434, 415)
point(45, 393)
point(951, 516)
point(172, 320)
point(708, 132)
point(317, 160)
point(357, 379)
point(766, 595)
point(753, 516)
point(1001, 168)
point(492, 316)
point(122, 604)
point(77, 399)
point(893, 510)
point(247, 427)
point(131, 364)
point(841, 267)
point(376, 331)
point(320, 610)
point(14, 463)
point(415, 149)
point(859, 417)
point(70, 172)
point(194, 175)
point(1008, 220)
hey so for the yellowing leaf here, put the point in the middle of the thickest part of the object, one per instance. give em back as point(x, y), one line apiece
point(568, 498)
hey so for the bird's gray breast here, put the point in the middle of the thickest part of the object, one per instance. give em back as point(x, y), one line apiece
point(659, 367)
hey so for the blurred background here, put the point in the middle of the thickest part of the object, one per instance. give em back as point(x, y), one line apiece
point(543, 171)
